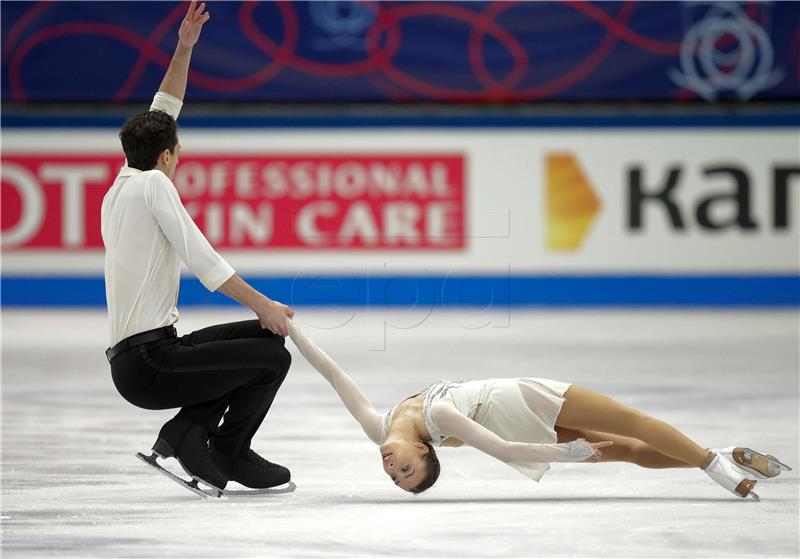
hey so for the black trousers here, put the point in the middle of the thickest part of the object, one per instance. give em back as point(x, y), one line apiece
point(237, 367)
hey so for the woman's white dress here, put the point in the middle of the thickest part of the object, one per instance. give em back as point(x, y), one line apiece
point(511, 419)
point(515, 409)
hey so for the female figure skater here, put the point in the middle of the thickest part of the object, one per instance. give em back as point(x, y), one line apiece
point(527, 423)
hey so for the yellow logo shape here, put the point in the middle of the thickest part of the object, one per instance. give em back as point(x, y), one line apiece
point(571, 203)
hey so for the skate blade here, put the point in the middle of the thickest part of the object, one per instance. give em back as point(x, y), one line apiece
point(217, 490)
point(779, 463)
point(190, 485)
point(766, 465)
point(285, 488)
point(745, 489)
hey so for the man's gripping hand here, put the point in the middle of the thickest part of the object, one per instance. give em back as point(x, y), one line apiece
point(192, 24)
point(274, 317)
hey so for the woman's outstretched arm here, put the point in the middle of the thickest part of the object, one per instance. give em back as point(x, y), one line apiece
point(455, 424)
point(352, 396)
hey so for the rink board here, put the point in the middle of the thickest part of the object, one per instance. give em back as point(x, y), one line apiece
point(625, 215)
point(419, 293)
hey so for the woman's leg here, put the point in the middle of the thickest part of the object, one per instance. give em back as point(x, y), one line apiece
point(625, 449)
point(589, 411)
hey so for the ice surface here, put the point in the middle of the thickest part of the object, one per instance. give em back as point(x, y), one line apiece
point(71, 486)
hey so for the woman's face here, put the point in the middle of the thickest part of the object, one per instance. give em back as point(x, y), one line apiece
point(403, 462)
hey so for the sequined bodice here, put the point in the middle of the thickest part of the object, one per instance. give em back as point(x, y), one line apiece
point(430, 396)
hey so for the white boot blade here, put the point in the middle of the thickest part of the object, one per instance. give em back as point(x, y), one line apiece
point(773, 465)
point(779, 463)
point(724, 472)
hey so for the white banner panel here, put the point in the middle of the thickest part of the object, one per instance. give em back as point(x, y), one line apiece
point(523, 201)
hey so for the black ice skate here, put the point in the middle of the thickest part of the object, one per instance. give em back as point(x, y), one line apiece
point(195, 457)
point(253, 471)
point(210, 491)
point(188, 444)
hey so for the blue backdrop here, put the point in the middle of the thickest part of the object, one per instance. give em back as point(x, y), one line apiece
point(397, 51)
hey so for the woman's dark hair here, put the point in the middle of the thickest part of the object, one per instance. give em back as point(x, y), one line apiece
point(145, 136)
point(432, 461)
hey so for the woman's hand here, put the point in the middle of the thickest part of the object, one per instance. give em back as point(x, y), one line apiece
point(598, 454)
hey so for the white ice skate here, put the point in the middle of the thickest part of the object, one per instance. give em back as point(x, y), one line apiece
point(751, 462)
point(724, 471)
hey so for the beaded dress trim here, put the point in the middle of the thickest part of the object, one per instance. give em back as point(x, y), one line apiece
point(431, 395)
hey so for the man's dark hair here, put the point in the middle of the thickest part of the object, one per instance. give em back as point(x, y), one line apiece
point(434, 468)
point(145, 136)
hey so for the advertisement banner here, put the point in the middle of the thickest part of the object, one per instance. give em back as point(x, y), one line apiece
point(595, 216)
point(390, 202)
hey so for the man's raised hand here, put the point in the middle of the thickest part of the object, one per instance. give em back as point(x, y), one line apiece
point(192, 24)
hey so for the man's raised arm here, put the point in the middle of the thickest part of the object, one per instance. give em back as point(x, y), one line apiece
point(174, 82)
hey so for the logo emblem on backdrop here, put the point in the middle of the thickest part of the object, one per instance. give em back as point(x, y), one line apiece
point(343, 23)
point(726, 51)
point(571, 203)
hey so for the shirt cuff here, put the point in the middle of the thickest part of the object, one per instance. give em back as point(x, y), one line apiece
point(165, 102)
point(218, 275)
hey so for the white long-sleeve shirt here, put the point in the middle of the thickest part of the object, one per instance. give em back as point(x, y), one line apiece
point(442, 416)
point(147, 232)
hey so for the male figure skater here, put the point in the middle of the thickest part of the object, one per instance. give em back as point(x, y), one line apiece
point(236, 367)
